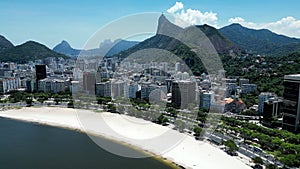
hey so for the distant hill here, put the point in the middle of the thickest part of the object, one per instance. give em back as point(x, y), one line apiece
point(65, 48)
point(28, 51)
point(119, 46)
point(106, 48)
point(260, 41)
point(5, 44)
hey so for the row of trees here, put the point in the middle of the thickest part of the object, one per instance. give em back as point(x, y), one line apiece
point(17, 96)
point(285, 145)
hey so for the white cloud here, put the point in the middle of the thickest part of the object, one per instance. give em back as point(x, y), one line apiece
point(189, 16)
point(289, 26)
point(176, 7)
point(236, 20)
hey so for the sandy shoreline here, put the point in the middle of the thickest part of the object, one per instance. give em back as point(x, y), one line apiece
point(155, 139)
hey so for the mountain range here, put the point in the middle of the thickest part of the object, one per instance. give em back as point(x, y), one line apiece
point(106, 48)
point(231, 39)
point(28, 51)
point(261, 41)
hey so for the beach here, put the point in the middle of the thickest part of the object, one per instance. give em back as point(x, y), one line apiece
point(153, 138)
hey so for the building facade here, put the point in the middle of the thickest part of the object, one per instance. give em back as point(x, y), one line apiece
point(291, 110)
point(262, 98)
point(89, 82)
point(132, 89)
point(9, 84)
point(206, 99)
point(272, 109)
point(103, 89)
point(50, 85)
point(183, 93)
point(248, 88)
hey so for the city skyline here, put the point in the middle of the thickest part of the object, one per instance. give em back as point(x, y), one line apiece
point(51, 22)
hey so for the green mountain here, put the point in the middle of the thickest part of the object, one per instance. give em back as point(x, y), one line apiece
point(28, 51)
point(220, 42)
point(260, 41)
point(163, 40)
point(5, 44)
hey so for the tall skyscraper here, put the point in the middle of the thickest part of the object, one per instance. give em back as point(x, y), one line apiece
point(183, 93)
point(272, 109)
point(41, 73)
point(89, 82)
point(291, 110)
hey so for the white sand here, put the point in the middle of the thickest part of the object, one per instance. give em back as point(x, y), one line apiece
point(160, 140)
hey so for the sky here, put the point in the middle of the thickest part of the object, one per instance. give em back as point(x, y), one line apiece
point(50, 22)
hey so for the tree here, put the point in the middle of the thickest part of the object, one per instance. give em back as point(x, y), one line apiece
point(290, 160)
point(257, 160)
point(112, 108)
point(41, 97)
point(197, 131)
point(162, 120)
point(271, 166)
point(180, 125)
point(57, 98)
point(232, 147)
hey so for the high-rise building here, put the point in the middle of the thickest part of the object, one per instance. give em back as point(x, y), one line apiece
point(183, 93)
point(158, 94)
point(262, 98)
point(103, 89)
point(89, 82)
point(169, 85)
point(146, 89)
point(51, 85)
point(117, 88)
point(133, 88)
point(206, 99)
point(153, 92)
point(272, 109)
point(29, 85)
point(9, 84)
point(41, 73)
point(291, 110)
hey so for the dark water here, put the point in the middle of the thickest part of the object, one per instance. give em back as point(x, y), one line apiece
point(32, 146)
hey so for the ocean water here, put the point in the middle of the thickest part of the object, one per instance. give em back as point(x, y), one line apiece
point(33, 146)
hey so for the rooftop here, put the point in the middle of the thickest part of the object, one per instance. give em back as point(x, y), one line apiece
point(292, 77)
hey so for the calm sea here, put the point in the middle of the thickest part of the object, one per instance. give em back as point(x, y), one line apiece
point(32, 146)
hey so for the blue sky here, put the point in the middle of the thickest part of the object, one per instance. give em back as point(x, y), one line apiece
point(50, 22)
